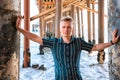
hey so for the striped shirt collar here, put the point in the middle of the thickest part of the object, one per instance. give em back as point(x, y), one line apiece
point(72, 39)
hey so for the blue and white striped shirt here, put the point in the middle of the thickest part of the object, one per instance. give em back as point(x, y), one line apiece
point(67, 56)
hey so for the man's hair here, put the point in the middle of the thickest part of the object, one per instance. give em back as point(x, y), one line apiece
point(66, 18)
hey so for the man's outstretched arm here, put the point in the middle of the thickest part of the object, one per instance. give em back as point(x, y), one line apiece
point(27, 34)
point(101, 46)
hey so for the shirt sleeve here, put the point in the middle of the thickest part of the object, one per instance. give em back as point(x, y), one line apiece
point(48, 42)
point(85, 45)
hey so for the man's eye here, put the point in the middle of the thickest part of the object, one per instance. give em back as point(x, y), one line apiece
point(69, 27)
point(63, 26)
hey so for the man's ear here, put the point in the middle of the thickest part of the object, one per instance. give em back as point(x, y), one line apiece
point(72, 31)
point(60, 29)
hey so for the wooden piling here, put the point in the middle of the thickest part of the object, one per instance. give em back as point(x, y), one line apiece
point(26, 62)
point(78, 18)
point(101, 27)
point(58, 11)
point(82, 26)
point(89, 21)
point(73, 16)
point(101, 21)
point(93, 25)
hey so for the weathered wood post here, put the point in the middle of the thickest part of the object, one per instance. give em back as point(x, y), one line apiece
point(101, 54)
point(40, 19)
point(89, 21)
point(78, 18)
point(26, 62)
point(114, 51)
point(9, 41)
point(93, 24)
point(82, 26)
point(73, 16)
point(58, 15)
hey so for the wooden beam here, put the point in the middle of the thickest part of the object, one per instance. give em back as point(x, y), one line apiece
point(68, 2)
point(42, 13)
point(83, 7)
point(50, 16)
point(50, 21)
point(48, 3)
point(53, 14)
point(94, 3)
point(50, 10)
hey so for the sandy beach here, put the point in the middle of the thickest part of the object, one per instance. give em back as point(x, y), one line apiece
point(90, 68)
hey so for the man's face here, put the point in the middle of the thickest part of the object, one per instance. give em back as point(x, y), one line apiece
point(66, 28)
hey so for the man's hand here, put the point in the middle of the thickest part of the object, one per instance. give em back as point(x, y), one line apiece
point(18, 22)
point(115, 37)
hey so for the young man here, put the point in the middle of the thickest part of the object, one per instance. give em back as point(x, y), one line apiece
point(67, 49)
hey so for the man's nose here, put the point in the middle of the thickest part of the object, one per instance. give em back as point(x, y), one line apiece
point(66, 29)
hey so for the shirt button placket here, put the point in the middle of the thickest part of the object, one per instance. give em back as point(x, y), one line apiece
point(67, 53)
point(67, 50)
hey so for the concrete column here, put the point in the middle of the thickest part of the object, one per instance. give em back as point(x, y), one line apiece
point(114, 51)
point(9, 40)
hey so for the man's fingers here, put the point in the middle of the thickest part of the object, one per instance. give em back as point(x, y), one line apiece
point(18, 22)
point(117, 39)
point(115, 33)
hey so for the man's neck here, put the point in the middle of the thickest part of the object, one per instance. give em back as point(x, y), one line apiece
point(66, 39)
